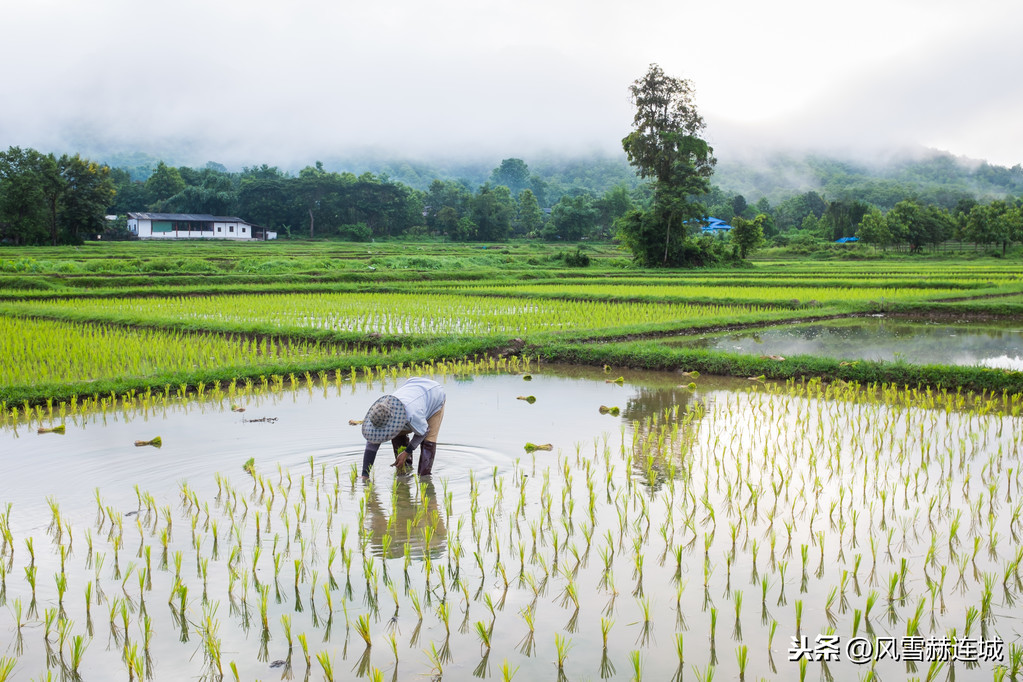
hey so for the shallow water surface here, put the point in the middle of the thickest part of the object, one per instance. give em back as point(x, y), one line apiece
point(989, 344)
point(485, 427)
point(722, 520)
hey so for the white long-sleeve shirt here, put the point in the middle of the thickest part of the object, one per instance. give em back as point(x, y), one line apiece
point(422, 399)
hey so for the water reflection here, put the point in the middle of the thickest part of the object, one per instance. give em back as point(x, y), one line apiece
point(414, 523)
point(581, 532)
point(647, 402)
point(204, 438)
point(662, 441)
point(878, 338)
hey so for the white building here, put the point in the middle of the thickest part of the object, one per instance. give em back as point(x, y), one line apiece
point(194, 226)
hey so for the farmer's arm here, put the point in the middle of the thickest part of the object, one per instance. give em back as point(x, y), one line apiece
point(369, 457)
point(420, 411)
point(415, 441)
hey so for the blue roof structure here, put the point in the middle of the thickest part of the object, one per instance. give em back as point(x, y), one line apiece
point(715, 225)
point(711, 225)
point(847, 240)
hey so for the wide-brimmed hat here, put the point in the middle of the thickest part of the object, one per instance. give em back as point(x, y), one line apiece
point(385, 419)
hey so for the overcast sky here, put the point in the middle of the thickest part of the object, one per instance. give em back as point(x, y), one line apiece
point(254, 81)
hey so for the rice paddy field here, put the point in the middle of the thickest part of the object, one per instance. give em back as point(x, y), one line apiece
point(181, 495)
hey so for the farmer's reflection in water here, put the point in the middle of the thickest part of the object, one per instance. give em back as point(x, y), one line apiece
point(414, 525)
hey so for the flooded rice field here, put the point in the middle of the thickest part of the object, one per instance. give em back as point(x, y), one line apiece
point(989, 344)
point(712, 528)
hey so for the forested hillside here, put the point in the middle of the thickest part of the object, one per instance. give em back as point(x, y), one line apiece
point(49, 199)
point(936, 178)
point(933, 177)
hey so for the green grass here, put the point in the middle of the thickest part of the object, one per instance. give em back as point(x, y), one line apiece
point(145, 314)
point(117, 383)
point(91, 352)
point(404, 314)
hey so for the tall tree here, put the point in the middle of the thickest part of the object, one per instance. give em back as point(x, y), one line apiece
point(314, 186)
point(763, 207)
point(207, 190)
point(388, 208)
point(265, 197)
point(874, 228)
point(739, 205)
point(529, 218)
point(513, 174)
point(572, 218)
point(843, 216)
point(24, 218)
point(45, 199)
point(916, 224)
point(446, 202)
point(87, 192)
point(52, 186)
point(165, 182)
point(130, 194)
point(748, 234)
point(666, 146)
point(994, 223)
point(792, 211)
point(492, 211)
point(615, 203)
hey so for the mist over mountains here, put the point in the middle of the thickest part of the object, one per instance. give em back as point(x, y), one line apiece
point(930, 175)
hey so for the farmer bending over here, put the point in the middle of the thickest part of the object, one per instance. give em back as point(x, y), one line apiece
point(416, 408)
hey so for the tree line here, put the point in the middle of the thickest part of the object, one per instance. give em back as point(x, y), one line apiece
point(666, 146)
point(45, 199)
point(911, 224)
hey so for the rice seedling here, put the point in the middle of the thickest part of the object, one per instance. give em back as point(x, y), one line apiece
point(733, 480)
point(303, 642)
point(132, 660)
point(444, 613)
point(323, 658)
point(30, 577)
point(605, 628)
point(484, 632)
point(742, 657)
point(393, 641)
point(562, 646)
point(1015, 667)
point(416, 604)
point(209, 628)
point(362, 628)
point(76, 651)
point(637, 665)
point(436, 660)
point(705, 675)
point(507, 671)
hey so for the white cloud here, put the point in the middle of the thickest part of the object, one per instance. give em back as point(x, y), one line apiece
point(262, 81)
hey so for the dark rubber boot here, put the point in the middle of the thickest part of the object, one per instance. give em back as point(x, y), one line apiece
point(398, 442)
point(428, 451)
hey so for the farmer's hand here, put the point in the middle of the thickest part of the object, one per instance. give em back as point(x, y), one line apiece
point(399, 459)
